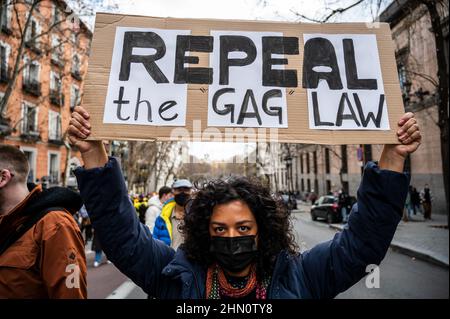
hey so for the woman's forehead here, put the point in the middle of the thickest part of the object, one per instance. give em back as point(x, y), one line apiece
point(233, 211)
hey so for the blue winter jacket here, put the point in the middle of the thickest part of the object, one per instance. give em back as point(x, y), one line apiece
point(163, 225)
point(321, 272)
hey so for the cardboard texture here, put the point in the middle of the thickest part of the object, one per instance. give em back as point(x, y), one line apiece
point(298, 131)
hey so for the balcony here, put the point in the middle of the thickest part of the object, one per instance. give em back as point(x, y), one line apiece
point(56, 140)
point(30, 136)
point(33, 46)
point(5, 29)
point(56, 60)
point(76, 75)
point(32, 87)
point(56, 98)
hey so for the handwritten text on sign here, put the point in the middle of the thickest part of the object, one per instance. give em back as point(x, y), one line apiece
point(151, 69)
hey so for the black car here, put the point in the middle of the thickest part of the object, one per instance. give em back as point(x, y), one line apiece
point(327, 207)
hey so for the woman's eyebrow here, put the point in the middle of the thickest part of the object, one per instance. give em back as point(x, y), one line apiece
point(244, 222)
point(218, 223)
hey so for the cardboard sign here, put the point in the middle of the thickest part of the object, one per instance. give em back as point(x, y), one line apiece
point(219, 80)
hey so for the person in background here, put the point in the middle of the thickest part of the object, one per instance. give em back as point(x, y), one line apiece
point(155, 205)
point(312, 197)
point(41, 247)
point(172, 214)
point(343, 203)
point(426, 202)
point(85, 224)
point(415, 200)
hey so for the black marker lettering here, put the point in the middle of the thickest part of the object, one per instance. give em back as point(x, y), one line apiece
point(341, 116)
point(272, 111)
point(317, 121)
point(351, 72)
point(365, 120)
point(186, 43)
point(166, 106)
point(228, 108)
point(280, 45)
point(149, 40)
point(244, 114)
point(232, 43)
point(138, 103)
point(320, 52)
point(120, 101)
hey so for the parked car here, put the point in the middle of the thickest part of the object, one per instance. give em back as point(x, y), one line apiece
point(326, 207)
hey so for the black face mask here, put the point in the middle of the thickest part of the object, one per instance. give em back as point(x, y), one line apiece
point(181, 198)
point(234, 253)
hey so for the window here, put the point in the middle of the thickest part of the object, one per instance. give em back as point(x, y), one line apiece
point(54, 126)
point(74, 96)
point(30, 154)
point(31, 72)
point(31, 34)
point(316, 186)
point(53, 167)
point(405, 85)
point(76, 67)
point(302, 184)
point(307, 164)
point(76, 63)
point(301, 163)
point(308, 184)
point(29, 119)
point(328, 186)
point(31, 77)
point(315, 161)
point(55, 84)
point(4, 55)
point(56, 14)
point(55, 90)
point(57, 49)
point(4, 14)
point(367, 153)
point(344, 162)
point(327, 160)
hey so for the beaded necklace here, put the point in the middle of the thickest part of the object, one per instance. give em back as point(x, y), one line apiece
point(217, 285)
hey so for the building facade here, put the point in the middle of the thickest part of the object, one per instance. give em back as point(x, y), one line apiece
point(417, 65)
point(47, 87)
point(324, 169)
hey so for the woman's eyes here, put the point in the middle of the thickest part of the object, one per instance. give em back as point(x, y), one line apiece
point(240, 228)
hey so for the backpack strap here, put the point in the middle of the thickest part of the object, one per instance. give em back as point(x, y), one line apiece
point(22, 229)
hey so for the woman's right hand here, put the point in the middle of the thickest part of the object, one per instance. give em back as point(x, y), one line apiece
point(80, 129)
point(93, 152)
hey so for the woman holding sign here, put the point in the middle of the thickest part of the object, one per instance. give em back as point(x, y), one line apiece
point(238, 240)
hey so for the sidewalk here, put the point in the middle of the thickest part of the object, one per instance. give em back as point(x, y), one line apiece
point(425, 240)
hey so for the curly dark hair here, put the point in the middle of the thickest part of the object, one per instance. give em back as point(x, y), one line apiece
point(274, 226)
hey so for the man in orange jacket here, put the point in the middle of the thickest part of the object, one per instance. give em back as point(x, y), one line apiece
point(48, 259)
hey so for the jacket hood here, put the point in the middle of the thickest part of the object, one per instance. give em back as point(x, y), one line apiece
point(55, 197)
point(154, 201)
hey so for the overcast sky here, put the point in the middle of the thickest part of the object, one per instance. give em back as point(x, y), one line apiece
point(278, 10)
point(248, 9)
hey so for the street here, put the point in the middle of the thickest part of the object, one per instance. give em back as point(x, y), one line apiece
point(400, 276)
